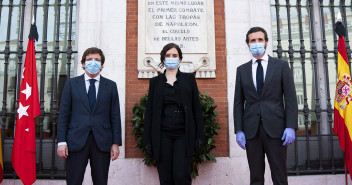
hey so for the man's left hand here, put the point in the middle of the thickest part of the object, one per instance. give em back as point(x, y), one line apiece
point(115, 151)
point(289, 136)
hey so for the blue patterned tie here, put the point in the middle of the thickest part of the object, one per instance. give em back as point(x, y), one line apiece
point(92, 94)
point(260, 77)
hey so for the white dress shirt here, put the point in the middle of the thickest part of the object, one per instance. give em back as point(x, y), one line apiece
point(265, 60)
point(86, 79)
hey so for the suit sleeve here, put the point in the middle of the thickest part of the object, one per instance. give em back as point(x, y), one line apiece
point(115, 116)
point(238, 103)
point(197, 110)
point(291, 107)
point(148, 115)
point(64, 113)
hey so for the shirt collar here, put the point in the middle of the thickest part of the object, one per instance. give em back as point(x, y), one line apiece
point(264, 58)
point(177, 74)
point(86, 77)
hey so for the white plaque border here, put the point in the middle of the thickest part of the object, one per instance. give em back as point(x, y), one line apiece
point(204, 64)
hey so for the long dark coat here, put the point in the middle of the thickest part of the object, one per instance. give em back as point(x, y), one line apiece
point(194, 126)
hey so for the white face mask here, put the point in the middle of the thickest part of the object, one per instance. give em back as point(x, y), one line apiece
point(171, 63)
point(93, 66)
point(257, 49)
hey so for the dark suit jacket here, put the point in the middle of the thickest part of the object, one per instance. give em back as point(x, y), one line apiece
point(193, 113)
point(277, 105)
point(76, 118)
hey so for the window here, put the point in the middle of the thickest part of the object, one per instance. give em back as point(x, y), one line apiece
point(55, 52)
point(300, 42)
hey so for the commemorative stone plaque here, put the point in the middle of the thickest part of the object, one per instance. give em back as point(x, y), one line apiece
point(188, 23)
point(182, 22)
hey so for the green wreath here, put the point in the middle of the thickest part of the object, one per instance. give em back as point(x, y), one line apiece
point(210, 128)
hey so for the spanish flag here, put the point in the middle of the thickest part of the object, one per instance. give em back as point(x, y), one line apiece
point(343, 97)
point(1, 162)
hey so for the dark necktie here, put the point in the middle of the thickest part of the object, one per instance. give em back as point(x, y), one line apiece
point(260, 77)
point(92, 94)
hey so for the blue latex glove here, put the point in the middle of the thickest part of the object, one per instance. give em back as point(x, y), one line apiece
point(289, 136)
point(241, 139)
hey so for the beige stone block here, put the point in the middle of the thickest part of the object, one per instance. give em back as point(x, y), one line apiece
point(113, 11)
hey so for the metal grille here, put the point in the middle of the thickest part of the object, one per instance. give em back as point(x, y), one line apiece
point(303, 35)
point(55, 51)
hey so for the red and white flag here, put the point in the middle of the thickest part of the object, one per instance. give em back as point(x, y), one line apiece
point(23, 152)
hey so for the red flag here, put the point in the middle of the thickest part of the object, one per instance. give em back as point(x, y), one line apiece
point(23, 152)
point(343, 97)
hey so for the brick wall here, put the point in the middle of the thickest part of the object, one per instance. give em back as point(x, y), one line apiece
point(216, 88)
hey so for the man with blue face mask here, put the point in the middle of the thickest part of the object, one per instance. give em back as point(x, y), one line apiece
point(265, 110)
point(89, 125)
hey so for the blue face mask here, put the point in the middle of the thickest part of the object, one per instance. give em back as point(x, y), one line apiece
point(257, 49)
point(93, 66)
point(171, 63)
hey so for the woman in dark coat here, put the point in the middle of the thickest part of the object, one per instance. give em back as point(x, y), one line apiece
point(173, 124)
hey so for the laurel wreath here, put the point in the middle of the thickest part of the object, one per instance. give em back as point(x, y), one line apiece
point(210, 128)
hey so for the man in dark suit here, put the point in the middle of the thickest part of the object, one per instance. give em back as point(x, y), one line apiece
point(265, 110)
point(89, 125)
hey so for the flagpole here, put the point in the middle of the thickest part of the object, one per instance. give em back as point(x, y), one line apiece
point(339, 121)
point(24, 147)
point(345, 172)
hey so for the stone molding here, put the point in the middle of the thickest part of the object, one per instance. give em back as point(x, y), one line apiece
point(202, 62)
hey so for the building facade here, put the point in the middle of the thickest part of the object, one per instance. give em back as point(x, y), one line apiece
point(300, 32)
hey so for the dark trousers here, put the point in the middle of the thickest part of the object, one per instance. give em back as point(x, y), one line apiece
point(174, 167)
point(76, 164)
point(260, 145)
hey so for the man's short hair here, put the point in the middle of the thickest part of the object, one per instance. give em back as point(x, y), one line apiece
point(93, 50)
point(257, 29)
